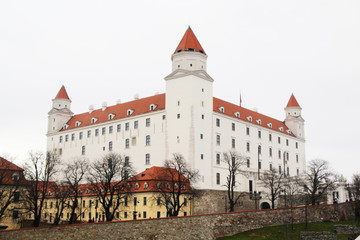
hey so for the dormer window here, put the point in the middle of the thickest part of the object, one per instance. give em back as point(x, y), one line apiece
point(221, 109)
point(15, 177)
point(249, 118)
point(269, 125)
point(152, 107)
point(77, 123)
point(111, 116)
point(281, 129)
point(66, 126)
point(288, 131)
point(93, 120)
point(129, 112)
point(136, 186)
point(191, 49)
point(258, 121)
point(146, 185)
point(237, 114)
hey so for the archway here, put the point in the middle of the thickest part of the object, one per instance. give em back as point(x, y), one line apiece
point(265, 205)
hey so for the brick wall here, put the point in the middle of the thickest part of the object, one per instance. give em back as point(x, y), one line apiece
point(192, 227)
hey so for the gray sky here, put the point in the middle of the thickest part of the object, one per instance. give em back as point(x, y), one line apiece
point(109, 50)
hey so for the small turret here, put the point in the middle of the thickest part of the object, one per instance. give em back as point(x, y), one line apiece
point(60, 112)
point(189, 54)
point(293, 118)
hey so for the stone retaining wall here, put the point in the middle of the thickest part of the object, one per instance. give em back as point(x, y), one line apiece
point(191, 227)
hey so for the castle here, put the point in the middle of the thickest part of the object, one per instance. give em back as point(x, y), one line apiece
point(187, 119)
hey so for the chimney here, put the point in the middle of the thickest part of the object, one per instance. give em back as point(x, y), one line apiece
point(91, 109)
point(136, 97)
point(104, 106)
point(118, 101)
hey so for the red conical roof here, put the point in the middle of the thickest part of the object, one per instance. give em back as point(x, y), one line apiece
point(189, 42)
point(62, 93)
point(292, 102)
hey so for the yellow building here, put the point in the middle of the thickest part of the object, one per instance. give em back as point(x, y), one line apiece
point(12, 187)
point(145, 199)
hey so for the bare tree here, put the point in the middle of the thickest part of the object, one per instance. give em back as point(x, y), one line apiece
point(39, 171)
point(274, 183)
point(176, 179)
point(61, 194)
point(234, 162)
point(319, 179)
point(12, 182)
point(108, 178)
point(356, 194)
point(74, 175)
point(292, 194)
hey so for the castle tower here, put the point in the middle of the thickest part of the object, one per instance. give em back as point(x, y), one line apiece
point(189, 106)
point(293, 119)
point(60, 112)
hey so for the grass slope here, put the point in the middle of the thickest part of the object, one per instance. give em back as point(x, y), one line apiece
point(279, 232)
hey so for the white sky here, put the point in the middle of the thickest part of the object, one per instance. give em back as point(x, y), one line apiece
point(109, 50)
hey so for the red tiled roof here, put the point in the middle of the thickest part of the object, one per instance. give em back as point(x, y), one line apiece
point(189, 41)
point(62, 93)
point(142, 106)
point(292, 102)
point(230, 110)
point(7, 165)
point(139, 106)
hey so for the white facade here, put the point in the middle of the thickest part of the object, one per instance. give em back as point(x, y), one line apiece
point(187, 119)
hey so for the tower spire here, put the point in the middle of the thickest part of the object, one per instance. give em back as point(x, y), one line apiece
point(62, 94)
point(189, 42)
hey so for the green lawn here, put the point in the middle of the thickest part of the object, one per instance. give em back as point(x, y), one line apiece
point(279, 232)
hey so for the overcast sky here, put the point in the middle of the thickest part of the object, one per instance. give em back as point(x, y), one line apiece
point(109, 50)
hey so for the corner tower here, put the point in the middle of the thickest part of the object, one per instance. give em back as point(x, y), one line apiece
point(189, 106)
point(60, 112)
point(293, 118)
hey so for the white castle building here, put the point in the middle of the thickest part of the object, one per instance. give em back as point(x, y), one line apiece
point(187, 119)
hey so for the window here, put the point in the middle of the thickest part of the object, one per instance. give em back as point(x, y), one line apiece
point(84, 203)
point(202, 156)
point(259, 134)
point(233, 126)
point(103, 131)
point(15, 214)
point(135, 201)
point(288, 171)
point(66, 138)
point(279, 169)
point(259, 149)
point(259, 165)
point(125, 215)
point(218, 122)
point(147, 140)
point(270, 152)
point(218, 139)
point(270, 167)
point(129, 112)
point(136, 124)
point(83, 150)
point(137, 186)
point(250, 185)
point(89, 133)
point(126, 202)
point(279, 140)
point(51, 204)
point(144, 201)
point(163, 117)
point(15, 177)
point(248, 162)
point(158, 214)
point(178, 115)
point(61, 139)
point(127, 161)
point(73, 137)
point(148, 122)
point(111, 129)
point(270, 137)
point(110, 146)
point(127, 143)
point(127, 126)
point(279, 154)
point(80, 135)
point(248, 146)
point(202, 116)
point(297, 172)
point(233, 143)
point(147, 158)
point(287, 142)
point(201, 136)
point(247, 131)
point(297, 158)
point(185, 202)
point(218, 178)
point(96, 132)
point(217, 158)
point(118, 127)
point(16, 196)
point(146, 185)
point(158, 201)
point(144, 214)
point(296, 145)
point(287, 156)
